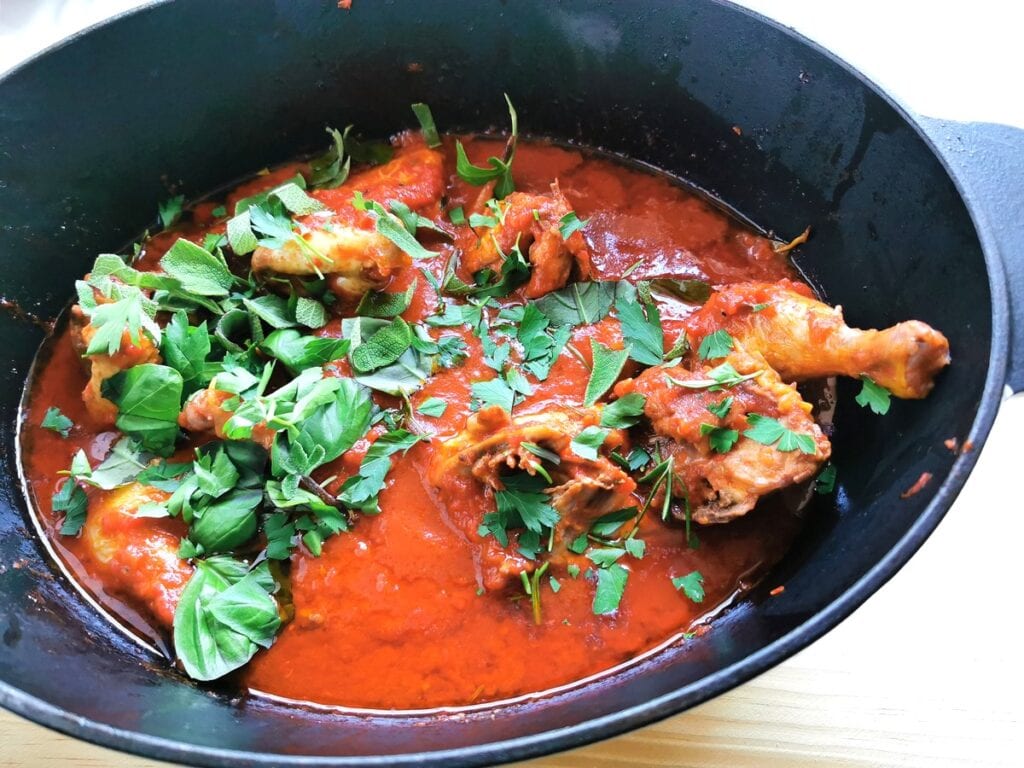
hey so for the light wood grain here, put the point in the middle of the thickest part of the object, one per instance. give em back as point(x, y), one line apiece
point(926, 673)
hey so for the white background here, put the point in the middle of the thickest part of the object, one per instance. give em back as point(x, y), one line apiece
point(929, 671)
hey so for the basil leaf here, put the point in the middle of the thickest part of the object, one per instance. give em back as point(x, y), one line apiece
point(224, 616)
point(228, 522)
point(430, 134)
point(624, 412)
point(336, 426)
point(605, 372)
point(148, 399)
point(198, 270)
point(185, 348)
point(299, 352)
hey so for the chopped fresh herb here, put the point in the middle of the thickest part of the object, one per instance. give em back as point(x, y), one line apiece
point(635, 547)
point(72, 501)
point(717, 379)
point(691, 585)
point(148, 399)
point(500, 170)
point(219, 212)
point(111, 321)
point(611, 584)
point(362, 489)
point(874, 396)
point(607, 525)
point(430, 134)
point(721, 409)
point(769, 431)
point(383, 347)
point(496, 391)
point(582, 303)
point(392, 227)
point(170, 211)
point(198, 270)
point(573, 570)
point(690, 291)
point(605, 371)
point(432, 406)
point(825, 483)
point(522, 503)
point(457, 216)
point(331, 169)
point(555, 584)
point(603, 557)
point(636, 459)
point(714, 345)
point(624, 412)
point(310, 313)
point(757, 307)
point(587, 443)
point(225, 615)
point(186, 349)
point(299, 351)
point(570, 224)
point(482, 220)
point(720, 439)
point(57, 422)
point(641, 329)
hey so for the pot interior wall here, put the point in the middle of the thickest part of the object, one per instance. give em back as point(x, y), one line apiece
point(197, 94)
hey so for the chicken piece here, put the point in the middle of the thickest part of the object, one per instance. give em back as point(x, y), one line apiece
point(534, 221)
point(102, 367)
point(723, 486)
point(137, 557)
point(342, 243)
point(802, 338)
point(204, 412)
point(582, 489)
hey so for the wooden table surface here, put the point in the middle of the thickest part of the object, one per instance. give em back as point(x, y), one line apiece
point(928, 671)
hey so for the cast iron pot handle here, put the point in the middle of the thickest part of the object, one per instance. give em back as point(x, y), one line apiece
point(988, 159)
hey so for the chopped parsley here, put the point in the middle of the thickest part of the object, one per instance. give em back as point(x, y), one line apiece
point(604, 372)
point(714, 345)
point(57, 422)
point(426, 119)
point(873, 396)
point(769, 431)
point(720, 439)
point(825, 482)
point(570, 224)
point(432, 406)
point(691, 585)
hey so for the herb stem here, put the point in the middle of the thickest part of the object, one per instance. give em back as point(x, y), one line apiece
point(309, 484)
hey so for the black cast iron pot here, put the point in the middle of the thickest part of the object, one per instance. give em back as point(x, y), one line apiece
point(200, 93)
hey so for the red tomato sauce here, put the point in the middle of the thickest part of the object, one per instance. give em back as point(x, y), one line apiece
point(392, 614)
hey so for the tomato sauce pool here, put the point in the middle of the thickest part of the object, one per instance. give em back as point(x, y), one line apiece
point(393, 614)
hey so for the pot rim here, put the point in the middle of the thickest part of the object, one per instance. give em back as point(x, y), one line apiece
point(687, 696)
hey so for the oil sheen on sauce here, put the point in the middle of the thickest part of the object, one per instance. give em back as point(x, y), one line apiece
point(392, 616)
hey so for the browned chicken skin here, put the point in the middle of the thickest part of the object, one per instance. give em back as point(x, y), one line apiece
point(803, 338)
point(723, 486)
point(582, 489)
point(533, 221)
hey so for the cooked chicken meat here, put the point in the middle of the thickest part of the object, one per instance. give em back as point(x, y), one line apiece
point(123, 542)
point(342, 243)
point(803, 338)
point(532, 221)
point(721, 486)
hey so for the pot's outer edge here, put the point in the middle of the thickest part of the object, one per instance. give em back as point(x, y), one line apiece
point(706, 688)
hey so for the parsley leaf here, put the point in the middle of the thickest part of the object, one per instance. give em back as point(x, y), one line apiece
point(570, 224)
point(825, 482)
point(691, 585)
point(499, 170)
point(611, 584)
point(72, 501)
point(56, 421)
point(331, 169)
point(586, 443)
point(720, 439)
point(721, 409)
point(717, 344)
point(362, 489)
point(641, 331)
point(457, 216)
point(768, 431)
point(873, 396)
point(391, 226)
point(624, 412)
point(605, 371)
point(496, 391)
point(170, 211)
point(718, 379)
point(111, 320)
